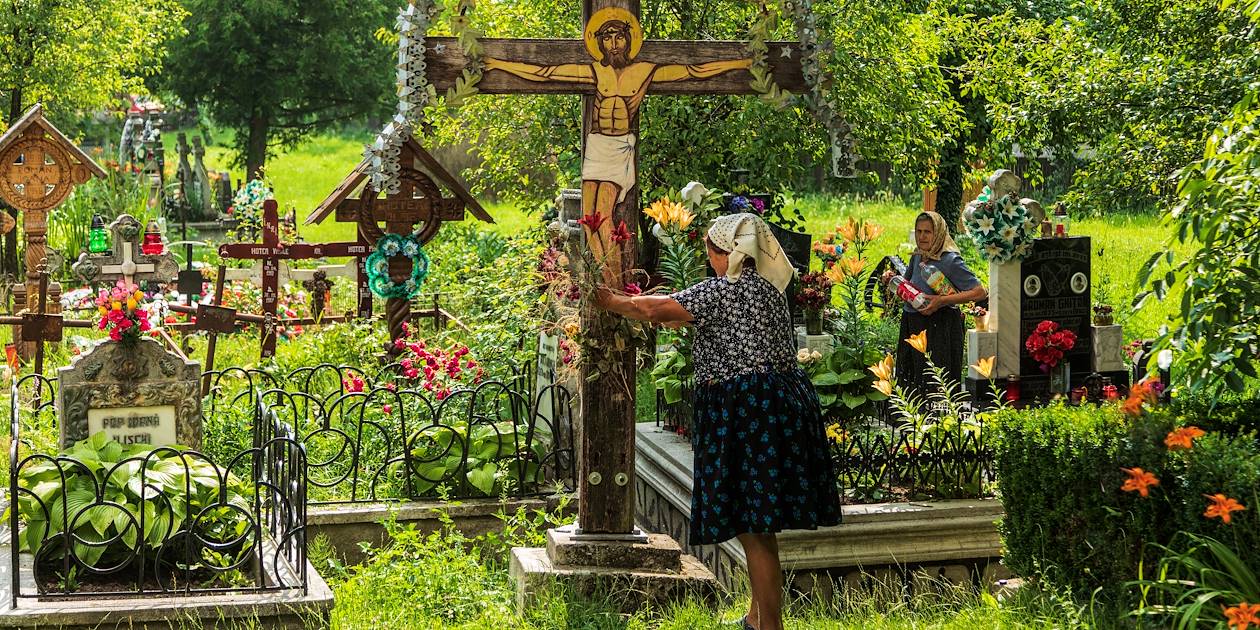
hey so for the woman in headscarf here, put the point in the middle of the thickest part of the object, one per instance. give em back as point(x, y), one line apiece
point(940, 317)
point(761, 457)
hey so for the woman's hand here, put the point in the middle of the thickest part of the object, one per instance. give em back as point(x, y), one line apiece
point(887, 276)
point(934, 303)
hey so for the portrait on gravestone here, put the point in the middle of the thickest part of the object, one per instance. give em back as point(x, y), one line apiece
point(1055, 277)
point(137, 393)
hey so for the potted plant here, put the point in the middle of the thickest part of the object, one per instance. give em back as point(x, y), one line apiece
point(1103, 315)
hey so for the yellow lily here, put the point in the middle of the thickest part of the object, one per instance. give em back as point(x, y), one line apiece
point(918, 341)
point(848, 231)
point(984, 366)
point(871, 231)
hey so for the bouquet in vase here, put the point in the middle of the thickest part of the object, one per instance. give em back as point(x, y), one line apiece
point(123, 312)
point(1048, 343)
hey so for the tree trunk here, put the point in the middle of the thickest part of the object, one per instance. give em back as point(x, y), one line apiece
point(10, 263)
point(256, 147)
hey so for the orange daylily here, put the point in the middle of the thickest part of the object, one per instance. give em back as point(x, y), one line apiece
point(1183, 437)
point(1242, 616)
point(984, 367)
point(1221, 506)
point(1139, 481)
point(884, 387)
point(844, 269)
point(883, 369)
point(918, 341)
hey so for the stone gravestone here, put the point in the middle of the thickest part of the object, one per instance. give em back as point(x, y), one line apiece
point(137, 393)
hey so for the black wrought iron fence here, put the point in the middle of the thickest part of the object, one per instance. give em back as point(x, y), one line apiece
point(886, 458)
point(106, 519)
point(381, 437)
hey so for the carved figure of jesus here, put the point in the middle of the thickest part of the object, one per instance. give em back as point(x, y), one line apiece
point(613, 38)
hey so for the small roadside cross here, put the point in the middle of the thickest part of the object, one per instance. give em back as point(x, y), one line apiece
point(271, 251)
point(126, 261)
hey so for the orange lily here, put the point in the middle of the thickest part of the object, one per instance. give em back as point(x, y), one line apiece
point(984, 367)
point(883, 369)
point(1139, 481)
point(1183, 438)
point(853, 266)
point(884, 387)
point(848, 231)
point(1243, 616)
point(918, 341)
point(1221, 507)
point(871, 231)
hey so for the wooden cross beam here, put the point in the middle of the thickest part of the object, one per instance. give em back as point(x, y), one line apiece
point(271, 251)
point(614, 68)
point(41, 325)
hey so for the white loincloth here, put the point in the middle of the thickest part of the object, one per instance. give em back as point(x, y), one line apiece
point(610, 159)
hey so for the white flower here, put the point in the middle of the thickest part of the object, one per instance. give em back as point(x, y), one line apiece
point(993, 251)
point(802, 355)
point(815, 355)
point(984, 225)
point(1023, 249)
point(1008, 234)
point(694, 193)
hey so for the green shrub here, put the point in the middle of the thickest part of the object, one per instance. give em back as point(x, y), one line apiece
point(1060, 476)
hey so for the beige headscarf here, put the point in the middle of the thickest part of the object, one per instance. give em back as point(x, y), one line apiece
point(746, 236)
point(941, 240)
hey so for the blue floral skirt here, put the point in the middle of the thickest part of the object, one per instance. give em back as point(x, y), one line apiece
point(762, 462)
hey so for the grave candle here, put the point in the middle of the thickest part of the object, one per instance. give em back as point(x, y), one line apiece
point(1061, 220)
point(1012, 388)
point(152, 244)
point(98, 235)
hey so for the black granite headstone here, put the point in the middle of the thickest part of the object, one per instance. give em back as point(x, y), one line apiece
point(1055, 281)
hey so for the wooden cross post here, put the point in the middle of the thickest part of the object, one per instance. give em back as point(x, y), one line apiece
point(271, 251)
point(613, 68)
point(40, 325)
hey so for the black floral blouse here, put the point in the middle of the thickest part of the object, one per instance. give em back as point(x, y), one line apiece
point(741, 327)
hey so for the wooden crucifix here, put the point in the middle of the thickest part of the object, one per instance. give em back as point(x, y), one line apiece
point(614, 68)
point(41, 325)
point(271, 251)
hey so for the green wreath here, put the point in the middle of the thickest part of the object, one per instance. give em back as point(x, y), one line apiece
point(377, 266)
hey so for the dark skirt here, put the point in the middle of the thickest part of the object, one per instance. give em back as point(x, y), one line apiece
point(944, 343)
point(762, 460)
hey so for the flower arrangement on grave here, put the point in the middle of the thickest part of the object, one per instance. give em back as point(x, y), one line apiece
point(813, 294)
point(123, 312)
point(1003, 229)
point(377, 266)
point(742, 203)
point(1103, 315)
point(828, 251)
point(247, 210)
point(1048, 343)
point(981, 316)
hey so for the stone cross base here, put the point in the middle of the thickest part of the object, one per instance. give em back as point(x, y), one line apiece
point(631, 575)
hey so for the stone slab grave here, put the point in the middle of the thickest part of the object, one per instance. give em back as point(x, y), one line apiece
point(293, 609)
point(955, 540)
point(135, 392)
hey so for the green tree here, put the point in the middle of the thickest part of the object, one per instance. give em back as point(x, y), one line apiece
point(1218, 335)
point(78, 55)
point(274, 71)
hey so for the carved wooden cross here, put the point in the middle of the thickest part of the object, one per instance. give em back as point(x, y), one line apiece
point(614, 69)
point(271, 251)
point(125, 260)
point(39, 166)
point(418, 202)
point(42, 325)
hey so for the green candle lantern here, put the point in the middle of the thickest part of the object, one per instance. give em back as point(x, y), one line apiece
point(98, 236)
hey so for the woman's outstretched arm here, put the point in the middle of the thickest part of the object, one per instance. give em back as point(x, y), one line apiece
point(660, 309)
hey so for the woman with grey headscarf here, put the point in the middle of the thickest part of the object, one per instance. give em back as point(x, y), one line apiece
point(761, 459)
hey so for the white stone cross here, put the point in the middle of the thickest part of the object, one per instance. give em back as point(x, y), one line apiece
point(128, 268)
point(125, 260)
